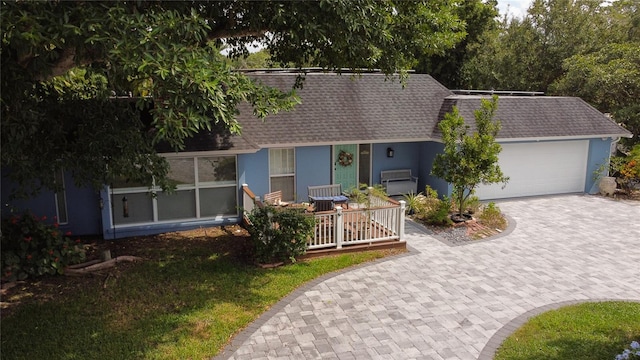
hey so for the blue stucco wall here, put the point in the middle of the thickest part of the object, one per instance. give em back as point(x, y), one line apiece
point(40, 205)
point(253, 170)
point(406, 156)
point(599, 151)
point(313, 167)
point(83, 209)
point(83, 206)
point(428, 151)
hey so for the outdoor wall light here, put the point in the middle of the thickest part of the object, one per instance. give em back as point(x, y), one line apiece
point(389, 152)
point(125, 207)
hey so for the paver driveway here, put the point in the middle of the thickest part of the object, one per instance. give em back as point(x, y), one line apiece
point(442, 302)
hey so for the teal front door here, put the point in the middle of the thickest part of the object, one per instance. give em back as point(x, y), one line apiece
point(345, 166)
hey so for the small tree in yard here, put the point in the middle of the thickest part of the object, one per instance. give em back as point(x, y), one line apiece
point(470, 160)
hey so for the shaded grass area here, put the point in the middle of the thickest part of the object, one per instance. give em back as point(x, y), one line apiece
point(186, 300)
point(589, 331)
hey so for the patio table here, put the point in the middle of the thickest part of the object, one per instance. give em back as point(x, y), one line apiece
point(325, 202)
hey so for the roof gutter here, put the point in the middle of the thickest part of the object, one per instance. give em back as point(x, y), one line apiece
point(559, 138)
point(348, 142)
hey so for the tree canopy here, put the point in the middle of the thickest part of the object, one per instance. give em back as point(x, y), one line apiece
point(609, 79)
point(64, 64)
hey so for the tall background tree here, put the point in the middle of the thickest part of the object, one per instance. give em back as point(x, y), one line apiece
point(479, 17)
point(63, 62)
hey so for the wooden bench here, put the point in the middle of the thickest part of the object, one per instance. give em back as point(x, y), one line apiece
point(325, 197)
point(399, 182)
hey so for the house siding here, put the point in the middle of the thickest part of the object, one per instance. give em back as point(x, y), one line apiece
point(428, 151)
point(599, 151)
point(83, 209)
point(313, 167)
point(406, 156)
point(253, 170)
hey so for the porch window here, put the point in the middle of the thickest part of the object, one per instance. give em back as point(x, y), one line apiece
point(206, 188)
point(364, 164)
point(282, 172)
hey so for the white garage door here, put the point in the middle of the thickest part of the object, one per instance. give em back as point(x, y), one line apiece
point(540, 168)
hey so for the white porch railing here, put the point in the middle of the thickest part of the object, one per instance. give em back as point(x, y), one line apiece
point(382, 221)
point(338, 228)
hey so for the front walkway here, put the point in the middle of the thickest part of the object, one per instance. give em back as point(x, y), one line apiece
point(442, 302)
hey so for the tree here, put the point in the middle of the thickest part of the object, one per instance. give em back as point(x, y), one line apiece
point(256, 60)
point(479, 17)
point(63, 63)
point(470, 160)
point(528, 53)
point(608, 79)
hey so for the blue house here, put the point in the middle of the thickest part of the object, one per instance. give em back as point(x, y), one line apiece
point(551, 145)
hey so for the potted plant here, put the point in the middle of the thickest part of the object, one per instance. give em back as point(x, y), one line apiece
point(413, 202)
point(607, 184)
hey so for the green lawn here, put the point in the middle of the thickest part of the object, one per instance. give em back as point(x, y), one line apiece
point(184, 305)
point(593, 331)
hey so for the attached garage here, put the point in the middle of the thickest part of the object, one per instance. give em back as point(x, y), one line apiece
point(550, 144)
point(540, 168)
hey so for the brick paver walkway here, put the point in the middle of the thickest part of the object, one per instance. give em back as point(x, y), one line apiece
point(443, 302)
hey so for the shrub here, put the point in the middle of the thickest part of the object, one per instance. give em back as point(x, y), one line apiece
point(358, 194)
point(279, 234)
point(430, 192)
point(440, 214)
point(33, 248)
point(629, 169)
point(414, 203)
point(492, 217)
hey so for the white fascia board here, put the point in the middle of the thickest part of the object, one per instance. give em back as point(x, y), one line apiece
point(560, 138)
point(384, 141)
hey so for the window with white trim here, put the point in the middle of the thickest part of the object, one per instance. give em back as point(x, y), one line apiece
point(206, 188)
point(282, 172)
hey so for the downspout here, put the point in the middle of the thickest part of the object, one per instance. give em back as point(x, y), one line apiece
point(595, 186)
point(612, 150)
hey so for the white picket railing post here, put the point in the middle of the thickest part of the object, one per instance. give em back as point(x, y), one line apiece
point(339, 227)
point(401, 221)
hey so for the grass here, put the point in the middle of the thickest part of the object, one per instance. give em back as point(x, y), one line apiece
point(589, 331)
point(185, 303)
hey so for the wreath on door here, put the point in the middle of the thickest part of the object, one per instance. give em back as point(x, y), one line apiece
point(345, 158)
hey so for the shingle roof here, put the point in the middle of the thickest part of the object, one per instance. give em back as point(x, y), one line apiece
point(371, 108)
point(341, 109)
point(528, 117)
point(219, 138)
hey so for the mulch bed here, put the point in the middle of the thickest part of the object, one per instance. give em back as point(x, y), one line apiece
point(462, 233)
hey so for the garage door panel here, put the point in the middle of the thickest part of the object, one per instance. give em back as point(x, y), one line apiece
point(540, 168)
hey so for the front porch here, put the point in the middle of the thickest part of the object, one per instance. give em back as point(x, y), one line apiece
point(379, 225)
